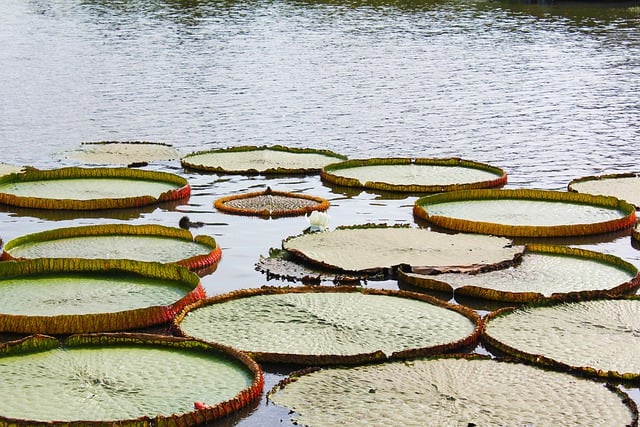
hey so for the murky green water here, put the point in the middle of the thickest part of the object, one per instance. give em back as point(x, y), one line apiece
point(548, 92)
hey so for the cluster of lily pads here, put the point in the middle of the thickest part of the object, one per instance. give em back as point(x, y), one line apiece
point(570, 318)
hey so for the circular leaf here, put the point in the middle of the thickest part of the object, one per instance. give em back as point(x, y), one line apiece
point(624, 186)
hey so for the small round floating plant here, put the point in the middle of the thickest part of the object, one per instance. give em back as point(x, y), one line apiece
point(91, 188)
point(414, 175)
point(545, 271)
point(266, 160)
point(271, 204)
point(123, 379)
point(525, 212)
point(65, 296)
point(460, 390)
point(329, 325)
point(148, 242)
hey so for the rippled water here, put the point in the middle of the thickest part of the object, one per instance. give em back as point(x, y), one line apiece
point(548, 92)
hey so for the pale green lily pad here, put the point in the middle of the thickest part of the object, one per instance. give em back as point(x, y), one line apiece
point(623, 186)
point(6, 169)
point(329, 325)
point(122, 152)
point(128, 379)
point(414, 175)
point(63, 296)
point(90, 188)
point(265, 160)
point(544, 271)
point(147, 242)
point(464, 391)
point(525, 212)
point(599, 337)
point(373, 249)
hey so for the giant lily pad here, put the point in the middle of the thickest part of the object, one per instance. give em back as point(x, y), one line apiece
point(269, 203)
point(625, 186)
point(123, 379)
point(467, 390)
point(374, 249)
point(118, 241)
point(6, 169)
point(596, 337)
point(64, 296)
point(527, 213)
point(90, 188)
point(414, 175)
point(329, 325)
point(122, 152)
point(261, 160)
point(545, 271)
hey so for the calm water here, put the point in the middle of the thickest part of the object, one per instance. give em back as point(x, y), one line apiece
point(547, 92)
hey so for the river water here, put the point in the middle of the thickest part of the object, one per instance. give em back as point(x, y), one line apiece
point(549, 92)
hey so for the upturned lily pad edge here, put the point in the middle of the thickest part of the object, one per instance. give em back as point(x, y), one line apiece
point(430, 281)
point(297, 374)
point(568, 230)
point(326, 174)
point(270, 171)
point(183, 190)
point(202, 412)
point(99, 322)
point(117, 229)
point(354, 359)
point(321, 206)
point(542, 360)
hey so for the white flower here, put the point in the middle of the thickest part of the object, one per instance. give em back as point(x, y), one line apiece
point(318, 221)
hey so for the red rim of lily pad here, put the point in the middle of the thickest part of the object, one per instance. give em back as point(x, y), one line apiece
point(99, 322)
point(181, 191)
point(193, 263)
point(271, 204)
point(338, 359)
point(627, 219)
point(202, 412)
point(327, 174)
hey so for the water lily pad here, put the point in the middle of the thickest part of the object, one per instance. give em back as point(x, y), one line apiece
point(261, 160)
point(122, 152)
point(269, 203)
point(123, 379)
point(526, 213)
point(545, 271)
point(90, 188)
point(329, 325)
point(625, 186)
point(596, 337)
point(375, 249)
point(64, 296)
point(466, 390)
point(118, 241)
point(414, 175)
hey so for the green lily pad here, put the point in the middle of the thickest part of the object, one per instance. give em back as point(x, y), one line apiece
point(544, 272)
point(525, 213)
point(92, 188)
point(6, 169)
point(329, 325)
point(450, 391)
point(376, 248)
point(414, 175)
point(624, 186)
point(597, 337)
point(118, 241)
point(261, 160)
point(123, 379)
point(122, 152)
point(64, 296)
